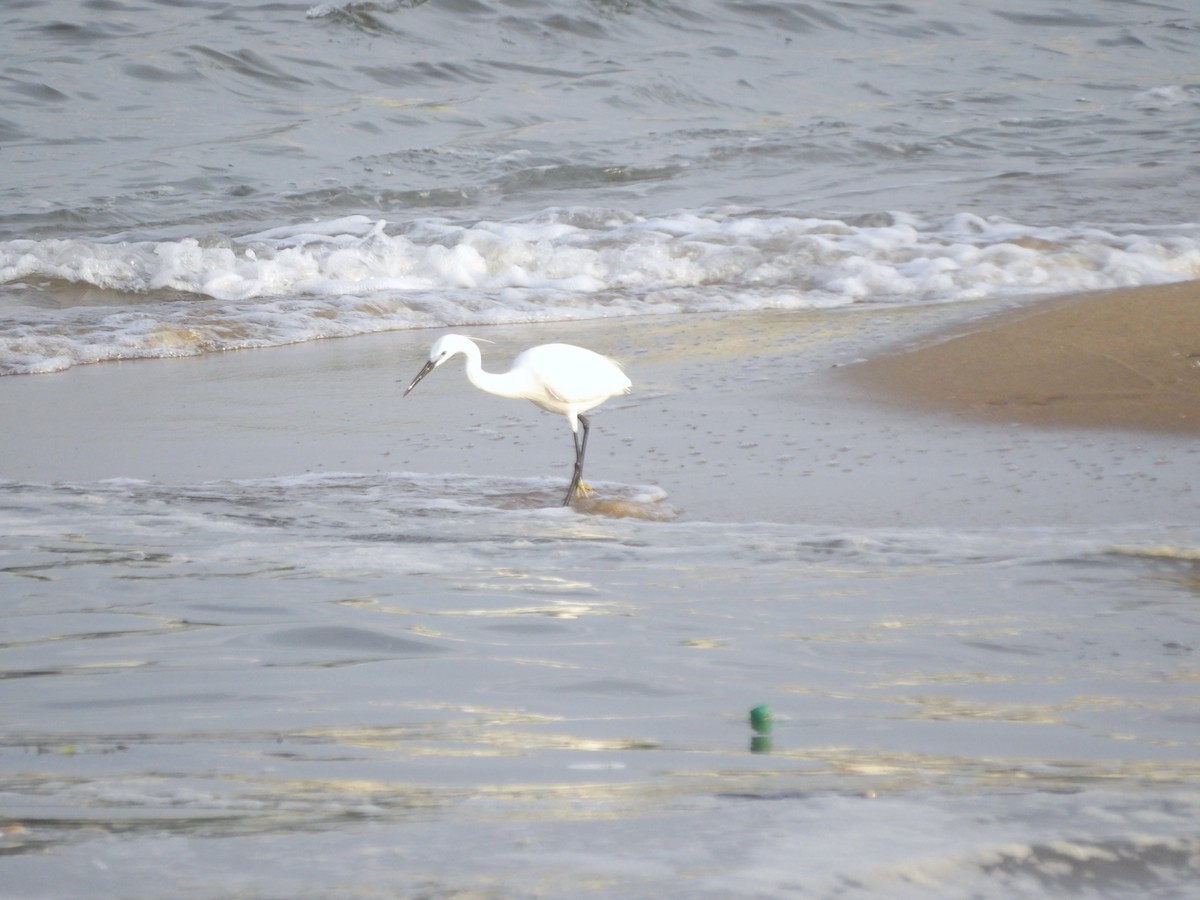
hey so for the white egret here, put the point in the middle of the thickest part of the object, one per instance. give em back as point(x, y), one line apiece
point(560, 378)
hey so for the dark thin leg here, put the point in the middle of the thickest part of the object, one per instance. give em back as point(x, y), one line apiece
point(580, 449)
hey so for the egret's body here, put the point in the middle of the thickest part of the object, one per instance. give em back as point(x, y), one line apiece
point(560, 378)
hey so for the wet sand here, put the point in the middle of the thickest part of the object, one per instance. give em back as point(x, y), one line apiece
point(1115, 359)
point(766, 416)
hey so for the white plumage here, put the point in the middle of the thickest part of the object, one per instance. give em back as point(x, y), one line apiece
point(560, 378)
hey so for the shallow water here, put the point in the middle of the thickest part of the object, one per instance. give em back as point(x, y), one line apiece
point(310, 684)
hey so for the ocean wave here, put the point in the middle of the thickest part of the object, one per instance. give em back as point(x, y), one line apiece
point(356, 275)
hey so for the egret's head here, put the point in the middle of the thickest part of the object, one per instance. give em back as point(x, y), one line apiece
point(443, 348)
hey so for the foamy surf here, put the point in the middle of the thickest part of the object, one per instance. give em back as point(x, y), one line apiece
point(355, 275)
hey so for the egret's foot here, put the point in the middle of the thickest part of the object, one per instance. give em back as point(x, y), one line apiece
point(579, 491)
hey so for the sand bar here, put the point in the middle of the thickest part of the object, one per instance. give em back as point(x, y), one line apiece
point(1115, 359)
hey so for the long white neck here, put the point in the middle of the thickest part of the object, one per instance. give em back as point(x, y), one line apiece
point(506, 384)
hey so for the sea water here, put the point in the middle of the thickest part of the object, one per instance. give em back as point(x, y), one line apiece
point(424, 683)
point(342, 685)
point(193, 177)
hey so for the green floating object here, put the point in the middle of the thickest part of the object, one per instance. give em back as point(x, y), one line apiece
point(761, 719)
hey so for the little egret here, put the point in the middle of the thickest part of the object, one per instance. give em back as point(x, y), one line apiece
point(560, 378)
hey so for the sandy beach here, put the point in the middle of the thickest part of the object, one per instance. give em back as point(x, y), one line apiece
point(1116, 359)
point(810, 416)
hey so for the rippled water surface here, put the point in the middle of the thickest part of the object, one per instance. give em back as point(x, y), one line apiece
point(332, 675)
point(209, 113)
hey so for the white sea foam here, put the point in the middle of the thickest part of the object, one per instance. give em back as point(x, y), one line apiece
point(1166, 97)
point(354, 275)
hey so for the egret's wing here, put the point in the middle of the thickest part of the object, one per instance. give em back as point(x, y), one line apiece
point(575, 375)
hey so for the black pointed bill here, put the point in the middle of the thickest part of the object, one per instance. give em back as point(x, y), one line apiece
point(429, 366)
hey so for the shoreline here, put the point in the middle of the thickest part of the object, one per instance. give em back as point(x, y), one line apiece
point(768, 416)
